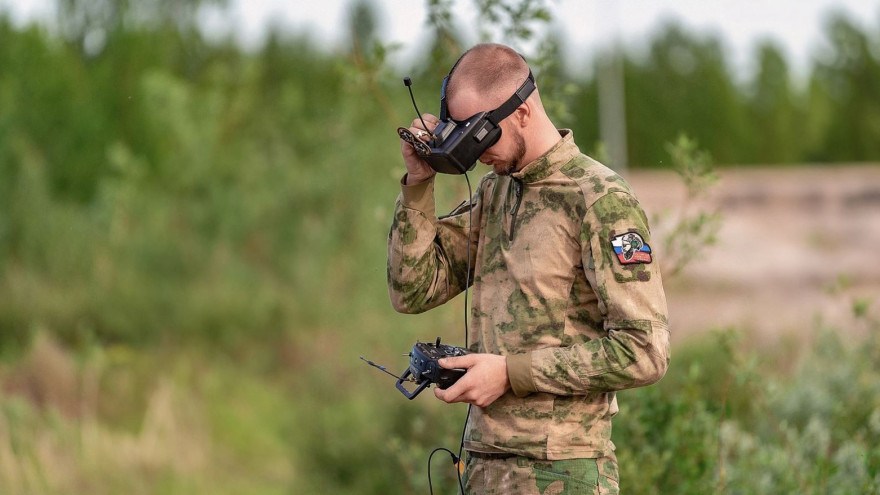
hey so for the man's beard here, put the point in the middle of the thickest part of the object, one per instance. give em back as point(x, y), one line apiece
point(518, 153)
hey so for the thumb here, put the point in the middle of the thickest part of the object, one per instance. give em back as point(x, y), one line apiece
point(465, 361)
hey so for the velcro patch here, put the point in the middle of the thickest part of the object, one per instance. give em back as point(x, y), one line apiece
point(631, 248)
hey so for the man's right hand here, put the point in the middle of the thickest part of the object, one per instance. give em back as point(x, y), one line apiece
point(417, 169)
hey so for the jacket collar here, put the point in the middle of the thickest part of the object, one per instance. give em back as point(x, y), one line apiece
point(555, 158)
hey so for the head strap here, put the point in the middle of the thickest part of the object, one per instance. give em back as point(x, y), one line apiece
point(506, 108)
point(512, 103)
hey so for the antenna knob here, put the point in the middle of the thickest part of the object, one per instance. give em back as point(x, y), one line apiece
point(407, 82)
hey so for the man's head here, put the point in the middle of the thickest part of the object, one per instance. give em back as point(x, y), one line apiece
point(485, 77)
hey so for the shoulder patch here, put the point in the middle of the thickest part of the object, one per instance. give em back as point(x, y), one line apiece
point(631, 248)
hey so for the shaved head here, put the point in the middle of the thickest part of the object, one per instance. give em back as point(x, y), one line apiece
point(484, 78)
point(493, 71)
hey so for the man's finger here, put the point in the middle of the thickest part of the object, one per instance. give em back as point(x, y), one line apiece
point(428, 120)
point(441, 394)
point(420, 133)
point(451, 394)
point(417, 124)
point(466, 361)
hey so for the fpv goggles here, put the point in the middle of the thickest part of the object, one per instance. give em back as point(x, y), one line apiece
point(456, 145)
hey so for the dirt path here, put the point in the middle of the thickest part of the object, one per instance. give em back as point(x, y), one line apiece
point(789, 236)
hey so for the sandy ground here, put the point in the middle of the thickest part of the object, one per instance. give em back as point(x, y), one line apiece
point(788, 237)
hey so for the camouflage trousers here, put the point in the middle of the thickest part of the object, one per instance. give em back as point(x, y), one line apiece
point(524, 476)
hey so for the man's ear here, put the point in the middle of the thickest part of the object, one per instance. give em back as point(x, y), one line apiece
point(523, 114)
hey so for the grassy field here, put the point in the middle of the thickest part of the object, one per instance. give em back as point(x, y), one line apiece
point(183, 420)
point(273, 399)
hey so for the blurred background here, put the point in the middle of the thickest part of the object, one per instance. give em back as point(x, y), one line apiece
point(195, 197)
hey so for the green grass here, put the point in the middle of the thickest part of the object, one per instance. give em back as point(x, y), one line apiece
point(186, 419)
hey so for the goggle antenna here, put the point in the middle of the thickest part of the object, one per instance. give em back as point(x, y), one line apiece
point(408, 83)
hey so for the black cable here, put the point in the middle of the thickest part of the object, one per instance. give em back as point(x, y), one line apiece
point(466, 287)
point(408, 83)
point(455, 461)
point(463, 430)
point(467, 283)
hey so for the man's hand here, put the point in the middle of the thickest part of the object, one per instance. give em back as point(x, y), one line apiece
point(417, 170)
point(485, 381)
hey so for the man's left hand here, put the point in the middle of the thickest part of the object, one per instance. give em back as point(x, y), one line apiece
point(485, 381)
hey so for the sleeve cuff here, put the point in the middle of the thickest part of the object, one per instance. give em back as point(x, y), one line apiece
point(519, 372)
point(418, 196)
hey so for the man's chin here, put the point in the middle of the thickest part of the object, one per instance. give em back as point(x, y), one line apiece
point(499, 168)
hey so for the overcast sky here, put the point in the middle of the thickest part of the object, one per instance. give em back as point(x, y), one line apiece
point(797, 25)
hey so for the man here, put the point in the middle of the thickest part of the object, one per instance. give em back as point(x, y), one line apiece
point(560, 321)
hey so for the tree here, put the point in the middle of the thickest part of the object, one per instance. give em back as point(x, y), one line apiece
point(683, 85)
point(776, 123)
point(849, 74)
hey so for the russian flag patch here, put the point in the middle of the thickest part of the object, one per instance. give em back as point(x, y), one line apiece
point(631, 248)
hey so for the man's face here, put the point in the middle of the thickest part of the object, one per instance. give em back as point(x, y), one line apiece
point(505, 156)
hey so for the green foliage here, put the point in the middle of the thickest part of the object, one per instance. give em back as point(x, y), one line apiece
point(847, 77)
point(730, 420)
point(192, 258)
point(557, 90)
point(774, 105)
point(500, 21)
point(222, 182)
point(694, 226)
point(683, 85)
point(515, 18)
point(725, 419)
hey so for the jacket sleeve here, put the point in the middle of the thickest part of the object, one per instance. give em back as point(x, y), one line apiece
point(427, 256)
point(635, 350)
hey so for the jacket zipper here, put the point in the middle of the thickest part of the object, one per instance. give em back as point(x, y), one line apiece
point(518, 190)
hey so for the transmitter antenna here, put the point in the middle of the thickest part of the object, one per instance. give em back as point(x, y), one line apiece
point(408, 83)
point(381, 368)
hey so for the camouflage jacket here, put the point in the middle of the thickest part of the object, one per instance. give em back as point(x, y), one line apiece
point(565, 285)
